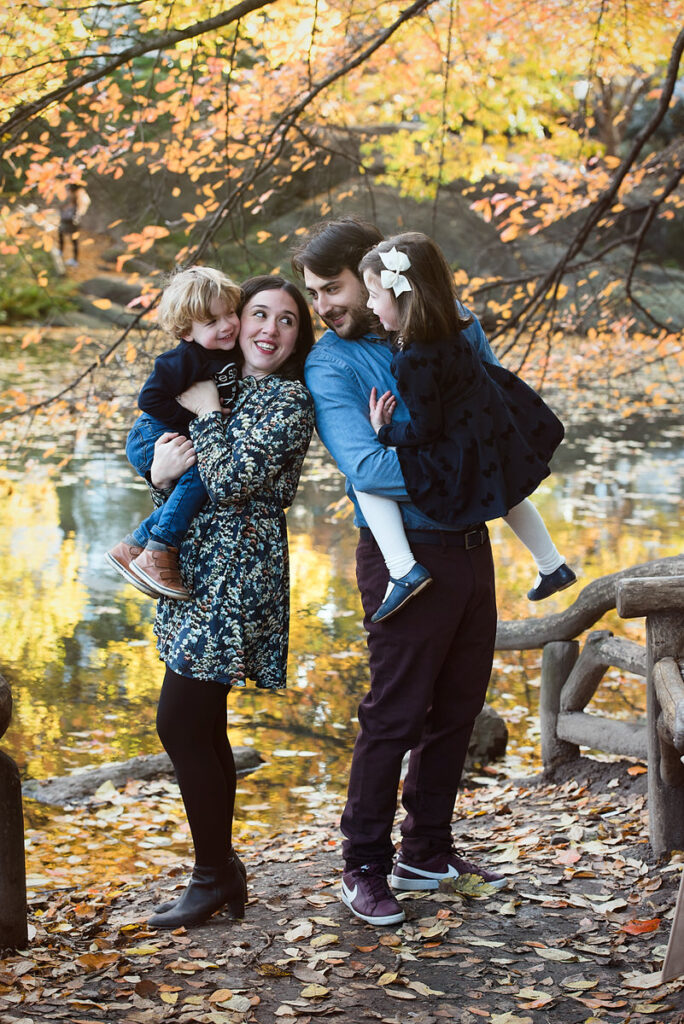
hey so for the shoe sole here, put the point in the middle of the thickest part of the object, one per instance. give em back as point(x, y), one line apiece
point(390, 919)
point(130, 578)
point(552, 592)
point(161, 590)
point(414, 593)
point(429, 884)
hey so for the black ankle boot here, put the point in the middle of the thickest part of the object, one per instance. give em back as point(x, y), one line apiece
point(209, 890)
point(162, 908)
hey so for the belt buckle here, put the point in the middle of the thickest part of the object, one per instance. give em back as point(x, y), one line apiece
point(473, 539)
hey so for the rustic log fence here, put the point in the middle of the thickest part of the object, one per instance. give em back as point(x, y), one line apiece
point(570, 677)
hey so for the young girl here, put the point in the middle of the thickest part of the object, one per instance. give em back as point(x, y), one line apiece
point(479, 439)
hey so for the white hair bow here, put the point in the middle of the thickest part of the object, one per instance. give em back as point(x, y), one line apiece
point(395, 262)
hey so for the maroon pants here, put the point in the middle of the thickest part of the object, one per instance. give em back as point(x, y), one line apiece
point(429, 666)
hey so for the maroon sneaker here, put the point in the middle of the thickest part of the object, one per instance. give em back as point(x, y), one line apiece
point(366, 892)
point(429, 874)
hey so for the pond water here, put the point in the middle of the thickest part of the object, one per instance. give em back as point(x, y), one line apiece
point(78, 648)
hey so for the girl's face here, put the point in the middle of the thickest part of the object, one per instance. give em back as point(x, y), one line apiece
point(381, 301)
point(219, 332)
point(269, 331)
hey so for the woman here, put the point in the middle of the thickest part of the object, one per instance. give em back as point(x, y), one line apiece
point(234, 559)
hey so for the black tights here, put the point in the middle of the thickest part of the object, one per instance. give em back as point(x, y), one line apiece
point(191, 723)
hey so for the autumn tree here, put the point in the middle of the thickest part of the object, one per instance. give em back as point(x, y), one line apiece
point(221, 117)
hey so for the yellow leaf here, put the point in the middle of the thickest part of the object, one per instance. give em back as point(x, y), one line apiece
point(324, 940)
point(169, 997)
point(315, 992)
point(424, 990)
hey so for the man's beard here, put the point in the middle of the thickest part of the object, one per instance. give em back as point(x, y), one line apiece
point(361, 321)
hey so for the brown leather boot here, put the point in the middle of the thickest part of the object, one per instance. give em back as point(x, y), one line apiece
point(159, 569)
point(120, 558)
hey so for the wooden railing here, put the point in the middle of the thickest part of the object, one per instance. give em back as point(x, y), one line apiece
point(570, 677)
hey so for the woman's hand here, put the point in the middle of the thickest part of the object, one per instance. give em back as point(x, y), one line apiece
point(200, 398)
point(173, 455)
point(381, 409)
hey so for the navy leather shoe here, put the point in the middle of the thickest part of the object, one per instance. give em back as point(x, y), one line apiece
point(402, 591)
point(560, 579)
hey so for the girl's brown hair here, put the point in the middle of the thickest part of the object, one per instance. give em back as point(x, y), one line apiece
point(431, 310)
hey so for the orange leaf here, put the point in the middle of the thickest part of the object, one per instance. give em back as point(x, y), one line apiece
point(641, 927)
point(637, 769)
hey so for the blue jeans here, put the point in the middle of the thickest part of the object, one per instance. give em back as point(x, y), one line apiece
point(169, 522)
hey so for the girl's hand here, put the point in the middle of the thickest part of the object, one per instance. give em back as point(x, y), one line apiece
point(381, 409)
point(173, 455)
point(200, 398)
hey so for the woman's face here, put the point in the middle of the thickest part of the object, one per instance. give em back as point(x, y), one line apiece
point(269, 326)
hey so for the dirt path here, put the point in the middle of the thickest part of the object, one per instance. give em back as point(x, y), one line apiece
point(586, 909)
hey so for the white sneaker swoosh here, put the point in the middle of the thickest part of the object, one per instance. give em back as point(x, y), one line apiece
point(350, 894)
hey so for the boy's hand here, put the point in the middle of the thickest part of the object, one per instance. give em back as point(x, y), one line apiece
point(381, 409)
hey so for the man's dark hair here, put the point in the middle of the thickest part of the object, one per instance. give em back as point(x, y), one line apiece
point(331, 246)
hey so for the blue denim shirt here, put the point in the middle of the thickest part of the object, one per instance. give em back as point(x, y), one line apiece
point(340, 374)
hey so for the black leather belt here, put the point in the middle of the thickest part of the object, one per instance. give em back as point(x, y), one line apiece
point(473, 537)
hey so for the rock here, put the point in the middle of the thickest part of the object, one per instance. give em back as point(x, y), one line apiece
point(116, 289)
point(78, 788)
point(489, 738)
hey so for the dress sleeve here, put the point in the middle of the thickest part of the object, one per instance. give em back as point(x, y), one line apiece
point(418, 376)
point(261, 449)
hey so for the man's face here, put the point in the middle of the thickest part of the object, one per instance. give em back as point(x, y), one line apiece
point(340, 302)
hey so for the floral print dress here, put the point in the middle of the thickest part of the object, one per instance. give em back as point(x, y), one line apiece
point(234, 557)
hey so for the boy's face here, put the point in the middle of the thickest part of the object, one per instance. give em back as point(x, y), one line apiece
point(219, 332)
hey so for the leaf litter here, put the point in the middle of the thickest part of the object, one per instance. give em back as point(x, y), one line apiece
point(585, 915)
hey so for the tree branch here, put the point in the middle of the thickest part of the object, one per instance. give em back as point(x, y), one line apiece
point(604, 202)
point(26, 112)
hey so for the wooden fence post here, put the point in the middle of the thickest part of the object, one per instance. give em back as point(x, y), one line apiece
point(662, 602)
point(13, 924)
point(558, 659)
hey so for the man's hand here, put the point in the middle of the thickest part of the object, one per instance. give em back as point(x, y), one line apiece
point(173, 455)
point(381, 409)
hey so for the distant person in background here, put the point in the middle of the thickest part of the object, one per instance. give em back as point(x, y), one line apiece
point(71, 213)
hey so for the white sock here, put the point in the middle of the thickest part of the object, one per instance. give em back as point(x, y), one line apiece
point(385, 523)
point(530, 528)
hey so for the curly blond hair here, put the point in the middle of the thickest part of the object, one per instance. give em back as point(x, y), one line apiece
point(189, 296)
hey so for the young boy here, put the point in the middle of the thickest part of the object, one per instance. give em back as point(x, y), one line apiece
point(198, 309)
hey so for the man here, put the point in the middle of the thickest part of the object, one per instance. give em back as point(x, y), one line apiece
point(429, 664)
